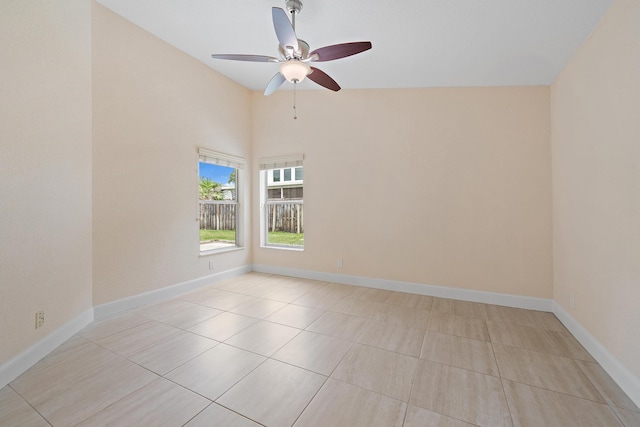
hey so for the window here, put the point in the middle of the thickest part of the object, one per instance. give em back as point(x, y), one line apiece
point(274, 193)
point(292, 193)
point(219, 189)
point(282, 216)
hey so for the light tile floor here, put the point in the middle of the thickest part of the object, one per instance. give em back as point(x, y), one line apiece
point(276, 351)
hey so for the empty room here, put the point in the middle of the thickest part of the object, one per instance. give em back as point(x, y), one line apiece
point(320, 213)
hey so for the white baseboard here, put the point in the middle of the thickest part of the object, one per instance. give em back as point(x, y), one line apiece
point(15, 367)
point(627, 381)
point(112, 308)
point(529, 303)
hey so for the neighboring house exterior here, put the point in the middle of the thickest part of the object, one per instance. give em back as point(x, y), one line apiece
point(228, 191)
point(285, 183)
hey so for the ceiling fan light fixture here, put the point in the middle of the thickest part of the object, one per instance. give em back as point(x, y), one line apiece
point(294, 70)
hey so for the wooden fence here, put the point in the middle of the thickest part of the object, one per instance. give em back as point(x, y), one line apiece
point(282, 216)
point(217, 215)
point(286, 216)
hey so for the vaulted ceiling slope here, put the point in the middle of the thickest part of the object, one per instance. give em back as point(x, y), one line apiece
point(416, 43)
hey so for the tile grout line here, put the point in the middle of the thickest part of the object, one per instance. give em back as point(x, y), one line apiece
point(413, 381)
point(310, 400)
point(558, 392)
point(501, 379)
point(604, 396)
point(29, 403)
point(230, 409)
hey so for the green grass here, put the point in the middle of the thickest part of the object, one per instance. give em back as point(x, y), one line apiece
point(275, 237)
point(217, 235)
point(282, 238)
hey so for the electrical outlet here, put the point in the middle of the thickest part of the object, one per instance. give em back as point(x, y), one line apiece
point(212, 265)
point(339, 262)
point(39, 319)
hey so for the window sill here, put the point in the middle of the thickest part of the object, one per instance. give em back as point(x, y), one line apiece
point(221, 250)
point(283, 248)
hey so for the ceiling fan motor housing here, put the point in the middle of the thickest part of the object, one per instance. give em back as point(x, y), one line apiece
point(294, 6)
point(301, 53)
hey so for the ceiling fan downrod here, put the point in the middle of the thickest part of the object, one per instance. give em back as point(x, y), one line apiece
point(294, 7)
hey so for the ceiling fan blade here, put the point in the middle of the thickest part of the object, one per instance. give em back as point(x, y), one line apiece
point(274, 84)
point(284, 30)
point(337, 51)
point(323, 79)
point(249, 58)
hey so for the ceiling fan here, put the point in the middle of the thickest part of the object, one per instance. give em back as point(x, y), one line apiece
point(295, 54)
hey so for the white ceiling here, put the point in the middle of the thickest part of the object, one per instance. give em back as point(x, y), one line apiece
point(416, 43)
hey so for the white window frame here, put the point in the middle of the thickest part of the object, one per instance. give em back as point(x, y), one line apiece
point(238, 163)
point(265, 165)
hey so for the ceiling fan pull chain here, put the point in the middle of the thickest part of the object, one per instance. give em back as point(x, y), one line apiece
point(295, 112)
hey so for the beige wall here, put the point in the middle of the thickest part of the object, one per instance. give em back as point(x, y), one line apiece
point(45, 167)
point(448, 187)
point(153, 106)
point(595, 114)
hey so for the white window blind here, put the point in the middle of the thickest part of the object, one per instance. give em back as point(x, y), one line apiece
point(281, 162)
point(210, 156)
